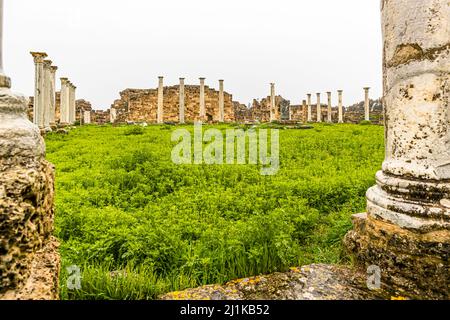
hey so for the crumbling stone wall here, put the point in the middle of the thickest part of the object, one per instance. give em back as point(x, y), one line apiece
point(81, 106)
point(140, 105)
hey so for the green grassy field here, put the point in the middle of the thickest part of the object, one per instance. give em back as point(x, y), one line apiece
point(138, 225)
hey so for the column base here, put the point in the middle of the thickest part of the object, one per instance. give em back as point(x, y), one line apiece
point(406, 232)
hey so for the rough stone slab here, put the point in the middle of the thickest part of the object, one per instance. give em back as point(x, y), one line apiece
point(43, 283)
point(313, 282)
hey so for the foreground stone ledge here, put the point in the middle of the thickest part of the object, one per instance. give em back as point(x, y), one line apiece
point(43, 283)
point(313, 282)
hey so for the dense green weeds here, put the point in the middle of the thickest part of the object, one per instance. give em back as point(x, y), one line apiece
point(138, 225)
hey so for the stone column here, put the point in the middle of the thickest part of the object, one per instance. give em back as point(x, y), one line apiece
point(309, 119)
point(273, 105)
point(87, 117)
point(221, 102)
point(319, 108)
point(64, 107)
point(112, 115)
point(182, 103)
point(29, 262)
point(202, 100)
point(47, 89)
point(38, 107)
point(160, 111)
point(330, 110)
point(406, 231)
point(52, 120)
point(366, 105)
point(340, 107)
point(71, 103)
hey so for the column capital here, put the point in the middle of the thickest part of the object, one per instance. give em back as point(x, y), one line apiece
point(202, 79)
point(38, 56)
point(318, 94)
point(54, 69)
point(64, 80)
point(182, 79)
point(221, 80)
point(309, 95)
point(340, 91)
point(48, 63)
point(161, 77)
point(366, 88)
point(329, 93)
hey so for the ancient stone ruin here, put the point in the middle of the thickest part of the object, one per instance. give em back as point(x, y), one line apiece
point(29, 262)
point(405, 234)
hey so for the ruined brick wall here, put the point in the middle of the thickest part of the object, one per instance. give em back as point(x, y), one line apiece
point(140, 105)
point(355, 113)
point(100, 116)
point(81, 106)
point(58, 107)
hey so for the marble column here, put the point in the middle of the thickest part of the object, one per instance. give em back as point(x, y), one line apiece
point(406, 231)
point(330, 110)
point(202, 100)
point(112, 115)
point(273, 104)
point(340, 107)
point(64, 100)
point(182, 102)
point(52, 120)
point(38, 105)
point(309, 118)
point(71, 103)
point(319, 108)
point(160, 110)
point(87, 116)
point(47, 89)
point(221, 102)
point(26, 198)
point(366, 105)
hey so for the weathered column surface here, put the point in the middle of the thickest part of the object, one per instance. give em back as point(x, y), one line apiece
point(160, 109)
point(69, 101)
point(52, 120)
point(202, 100)
point(64, 107)
point(38, 106)
point(272, 103)
point(340, 107)
point(221, 102)
point(329, 116)
point(406, 231)
point(29, 262)
point(366, 104)
point(319, 109)
point(309, 117)
point(72, 103)
point(47, 84)
point(182, 102)
point(87, 117)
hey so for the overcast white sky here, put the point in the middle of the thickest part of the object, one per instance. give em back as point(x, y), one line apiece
point(105, 46)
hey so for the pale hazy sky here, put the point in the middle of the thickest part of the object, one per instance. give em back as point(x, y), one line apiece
point(105, 46)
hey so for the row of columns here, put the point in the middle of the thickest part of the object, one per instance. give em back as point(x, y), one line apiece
point(68, 97)
point(307, 104)
point(202, 112)
point(340, 107)
point(44, 112)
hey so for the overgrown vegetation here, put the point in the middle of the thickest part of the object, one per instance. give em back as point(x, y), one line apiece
point(139, 226)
